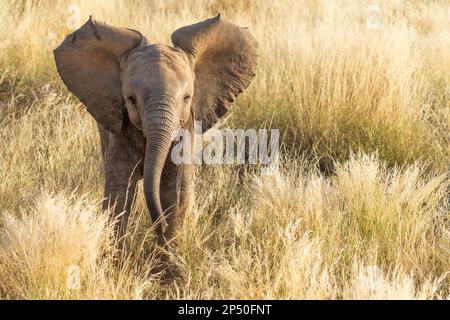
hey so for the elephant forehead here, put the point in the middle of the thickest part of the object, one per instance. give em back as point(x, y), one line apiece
point(158, 67)
point(158, 56)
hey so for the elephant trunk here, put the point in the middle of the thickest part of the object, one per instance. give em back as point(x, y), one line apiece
point(158, 126)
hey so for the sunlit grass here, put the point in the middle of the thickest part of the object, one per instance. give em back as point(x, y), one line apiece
point(358, 210)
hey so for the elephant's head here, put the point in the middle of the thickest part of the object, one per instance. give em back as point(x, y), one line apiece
point(117, 74)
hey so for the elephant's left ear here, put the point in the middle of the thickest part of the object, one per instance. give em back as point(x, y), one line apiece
point(224, 57)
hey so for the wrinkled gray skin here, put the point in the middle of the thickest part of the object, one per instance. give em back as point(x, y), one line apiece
point(139, 93)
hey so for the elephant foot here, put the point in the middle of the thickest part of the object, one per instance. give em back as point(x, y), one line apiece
point(166, 268)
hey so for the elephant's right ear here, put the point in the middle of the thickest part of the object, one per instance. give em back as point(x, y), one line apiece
point(88, 61)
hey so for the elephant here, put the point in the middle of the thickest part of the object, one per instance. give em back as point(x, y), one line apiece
point(141, 93)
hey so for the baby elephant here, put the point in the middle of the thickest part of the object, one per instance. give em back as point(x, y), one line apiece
point(141, 93)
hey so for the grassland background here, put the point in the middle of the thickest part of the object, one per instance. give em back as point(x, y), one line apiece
point(360, 208)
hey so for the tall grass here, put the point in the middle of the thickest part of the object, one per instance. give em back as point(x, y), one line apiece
point(370, 232)
point(360, 208)
point(40, 249)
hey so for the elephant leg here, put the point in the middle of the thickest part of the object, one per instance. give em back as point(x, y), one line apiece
point(175, 194)
point(122, 172)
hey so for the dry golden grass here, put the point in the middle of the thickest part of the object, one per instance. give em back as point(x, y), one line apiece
point(40, 248)
point(360, 209)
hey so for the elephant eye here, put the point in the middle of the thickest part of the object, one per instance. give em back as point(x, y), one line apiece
point(132, 100)
point(187, 98)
